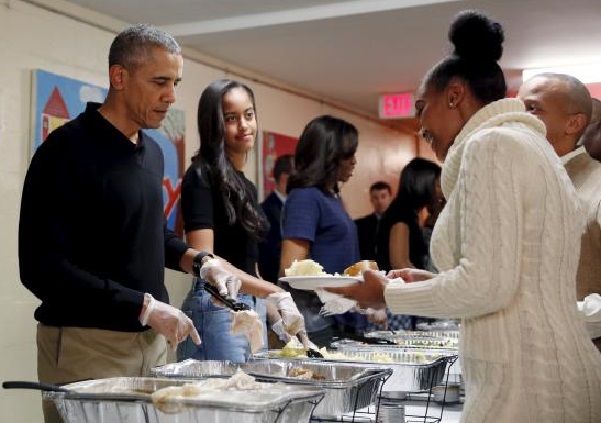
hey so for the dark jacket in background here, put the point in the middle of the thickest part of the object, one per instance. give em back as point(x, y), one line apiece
point(366, 230)
point(271, 247)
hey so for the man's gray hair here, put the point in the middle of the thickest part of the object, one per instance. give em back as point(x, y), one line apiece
point(133, 45)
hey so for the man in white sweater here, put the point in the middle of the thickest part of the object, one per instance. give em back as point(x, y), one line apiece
point(564, 104)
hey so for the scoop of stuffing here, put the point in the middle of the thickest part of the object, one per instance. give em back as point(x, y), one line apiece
point(301, 373)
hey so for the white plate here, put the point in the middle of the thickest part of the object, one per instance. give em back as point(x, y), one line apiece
point(317, 282)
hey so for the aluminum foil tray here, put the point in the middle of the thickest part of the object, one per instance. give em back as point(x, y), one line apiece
point(128, 400)
point(347, 387)
point(412, 370)
point(434, 351)
point(446, 340)
point(192, 368)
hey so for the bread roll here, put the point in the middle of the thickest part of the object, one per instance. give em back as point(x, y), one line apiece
point(358, 268)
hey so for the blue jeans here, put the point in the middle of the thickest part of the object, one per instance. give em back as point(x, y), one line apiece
point(213, 324)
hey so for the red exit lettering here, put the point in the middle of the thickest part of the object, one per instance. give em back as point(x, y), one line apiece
point(396, 106)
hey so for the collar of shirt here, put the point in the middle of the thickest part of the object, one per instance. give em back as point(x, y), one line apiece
point(281, 196)
point(567, 157)
point(107, 130)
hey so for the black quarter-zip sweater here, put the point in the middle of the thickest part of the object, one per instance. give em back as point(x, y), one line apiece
point(92, 235)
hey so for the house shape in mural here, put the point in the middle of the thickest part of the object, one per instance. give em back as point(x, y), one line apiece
point(54, 114)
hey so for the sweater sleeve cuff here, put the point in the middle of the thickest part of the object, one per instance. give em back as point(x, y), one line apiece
point(411, 298)
point(131, 301)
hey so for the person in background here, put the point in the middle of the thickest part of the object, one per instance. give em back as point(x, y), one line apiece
point(380, 196)
point(315, 223)
point(271, 246)
point(591, 139)
point(400, 240)
point(93, 244)
point(221, 215)
point(506, 245)
point(564, 105)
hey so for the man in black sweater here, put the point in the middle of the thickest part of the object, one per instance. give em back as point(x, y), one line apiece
point(93, 245)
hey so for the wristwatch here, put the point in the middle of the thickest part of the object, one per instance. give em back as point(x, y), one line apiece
point(197, 262)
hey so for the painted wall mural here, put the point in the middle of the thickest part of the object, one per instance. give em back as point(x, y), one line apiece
point(58, 99)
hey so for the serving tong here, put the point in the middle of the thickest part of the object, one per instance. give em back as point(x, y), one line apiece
point(313, 353)
point(229, 302)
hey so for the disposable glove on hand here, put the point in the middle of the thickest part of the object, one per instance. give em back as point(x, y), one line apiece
point(292, 318)
point(169, 321)
point(278, 328)
point(226, 283)
point(304, 339)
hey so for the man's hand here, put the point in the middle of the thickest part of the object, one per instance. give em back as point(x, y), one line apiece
point(213, 272)
point(169, 321)
point(369, 293)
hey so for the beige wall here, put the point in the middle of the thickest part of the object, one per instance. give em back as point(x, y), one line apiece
point(33, 38)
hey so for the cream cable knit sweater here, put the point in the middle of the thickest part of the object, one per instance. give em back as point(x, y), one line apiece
point(507, 244)
point(585, 173)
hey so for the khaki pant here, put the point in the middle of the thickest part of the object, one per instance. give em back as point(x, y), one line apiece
point(68, 354)
point(597, 342)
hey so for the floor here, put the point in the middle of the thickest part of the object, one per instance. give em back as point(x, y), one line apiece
point(414, 411)
point(450, 413)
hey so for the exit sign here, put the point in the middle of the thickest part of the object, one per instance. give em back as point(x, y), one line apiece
point(396, 106)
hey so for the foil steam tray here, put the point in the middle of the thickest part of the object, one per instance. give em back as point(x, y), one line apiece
point(429, 352)
point(196, 369)
point(128, 400)
point(347, 387)
point(413, 370)
point(419, 339)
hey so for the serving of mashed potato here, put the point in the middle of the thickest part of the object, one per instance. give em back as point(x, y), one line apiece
point(305, 267)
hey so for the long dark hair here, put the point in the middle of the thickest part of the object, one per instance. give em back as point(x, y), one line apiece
point(235, 192)
point(325, 142)
point(478, 42)
point(417, 185)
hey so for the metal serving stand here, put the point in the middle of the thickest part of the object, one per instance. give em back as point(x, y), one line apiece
point(441, 341)
point(420, 397)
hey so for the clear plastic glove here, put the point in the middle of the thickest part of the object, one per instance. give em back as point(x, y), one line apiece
point(169, 321)
point(304, 339)
point(278, 328)
point(226, 283)
point(292, 318)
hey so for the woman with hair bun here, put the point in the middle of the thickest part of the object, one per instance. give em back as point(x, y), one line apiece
point(506, 245)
